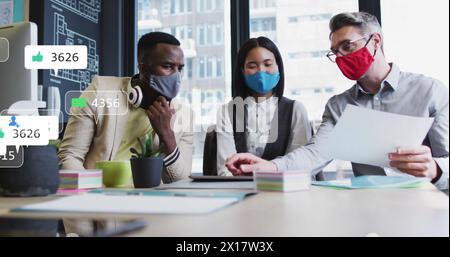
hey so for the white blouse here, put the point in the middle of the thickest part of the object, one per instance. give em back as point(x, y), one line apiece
point(260, 116)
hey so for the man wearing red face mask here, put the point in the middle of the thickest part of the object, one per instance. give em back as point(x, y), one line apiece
point(357, 49)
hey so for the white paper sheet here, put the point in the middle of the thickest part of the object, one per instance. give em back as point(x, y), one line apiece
point(366, 136)
point(97, 203)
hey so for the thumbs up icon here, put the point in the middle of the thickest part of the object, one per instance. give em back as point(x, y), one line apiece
point(38, 57)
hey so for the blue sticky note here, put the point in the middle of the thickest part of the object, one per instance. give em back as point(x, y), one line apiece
point(373, 182)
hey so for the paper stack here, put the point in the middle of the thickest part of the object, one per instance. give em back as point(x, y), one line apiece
point(131, 204)
point(286, 181)
point(75, 179)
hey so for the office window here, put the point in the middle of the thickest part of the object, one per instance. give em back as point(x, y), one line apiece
point(310, 17)
point(262, 4)
point(211, 67)
point(180, 6)
point(188, 72)
point(200, 5)
point(175, 7)
point(219, 34)
point(219, 5)
point(165, 7)
point(190, 33)
point(201, 36)
point(300, 30)
point(204, 6)
point(209, 5)
point(182, 33)
point(264, 27)
point(263, 24)
point(417, 36)
point(310, 54)
point(190, 4)
point(144, 9)
point(207, 69)
point(188, 69)
point(173, 31)
point(219, 67)
point(293, 19)
point(210, 34)
point(201, 68)
point(148, 16)
point(172, 6)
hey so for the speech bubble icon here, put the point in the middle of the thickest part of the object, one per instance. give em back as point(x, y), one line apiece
point(28, 131)
point(88, 102)
point(4, 49)
point(42, 112)
point(56, 57)
point(79, 102)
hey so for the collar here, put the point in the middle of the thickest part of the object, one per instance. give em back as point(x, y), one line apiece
point(391, 81)
point(272, 101)
point(393, 77)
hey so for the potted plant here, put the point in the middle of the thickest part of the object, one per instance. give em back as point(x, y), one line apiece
point(147, 165)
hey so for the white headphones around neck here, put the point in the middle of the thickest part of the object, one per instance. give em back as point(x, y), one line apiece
point(135, 96)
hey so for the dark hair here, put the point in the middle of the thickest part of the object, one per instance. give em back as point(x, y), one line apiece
point(239, 88)
point(149, 41)
point(366, 22)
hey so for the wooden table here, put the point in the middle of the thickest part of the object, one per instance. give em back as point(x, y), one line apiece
point(317, 212)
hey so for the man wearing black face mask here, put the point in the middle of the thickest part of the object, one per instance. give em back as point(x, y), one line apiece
point(102, 134)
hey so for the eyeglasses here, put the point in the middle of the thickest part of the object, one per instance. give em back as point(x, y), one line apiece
point(346, 48)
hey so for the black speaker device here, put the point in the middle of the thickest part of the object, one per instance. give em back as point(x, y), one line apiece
point(38, 176)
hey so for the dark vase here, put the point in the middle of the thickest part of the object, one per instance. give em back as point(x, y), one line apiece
point(38, 176)
point(147, 172)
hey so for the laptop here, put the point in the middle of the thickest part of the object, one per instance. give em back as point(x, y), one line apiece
point(220, 178)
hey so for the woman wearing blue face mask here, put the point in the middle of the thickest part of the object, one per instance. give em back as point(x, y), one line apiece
point(260, 120)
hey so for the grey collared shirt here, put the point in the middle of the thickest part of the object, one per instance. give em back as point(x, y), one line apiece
point(401, 93)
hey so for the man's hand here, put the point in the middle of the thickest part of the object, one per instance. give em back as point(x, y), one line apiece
point(416, 161)
point(245, 164)
point(160, 115)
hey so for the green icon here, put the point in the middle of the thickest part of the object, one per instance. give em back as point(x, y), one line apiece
point(2, 134)
point(79, 102)
point(38, 57)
